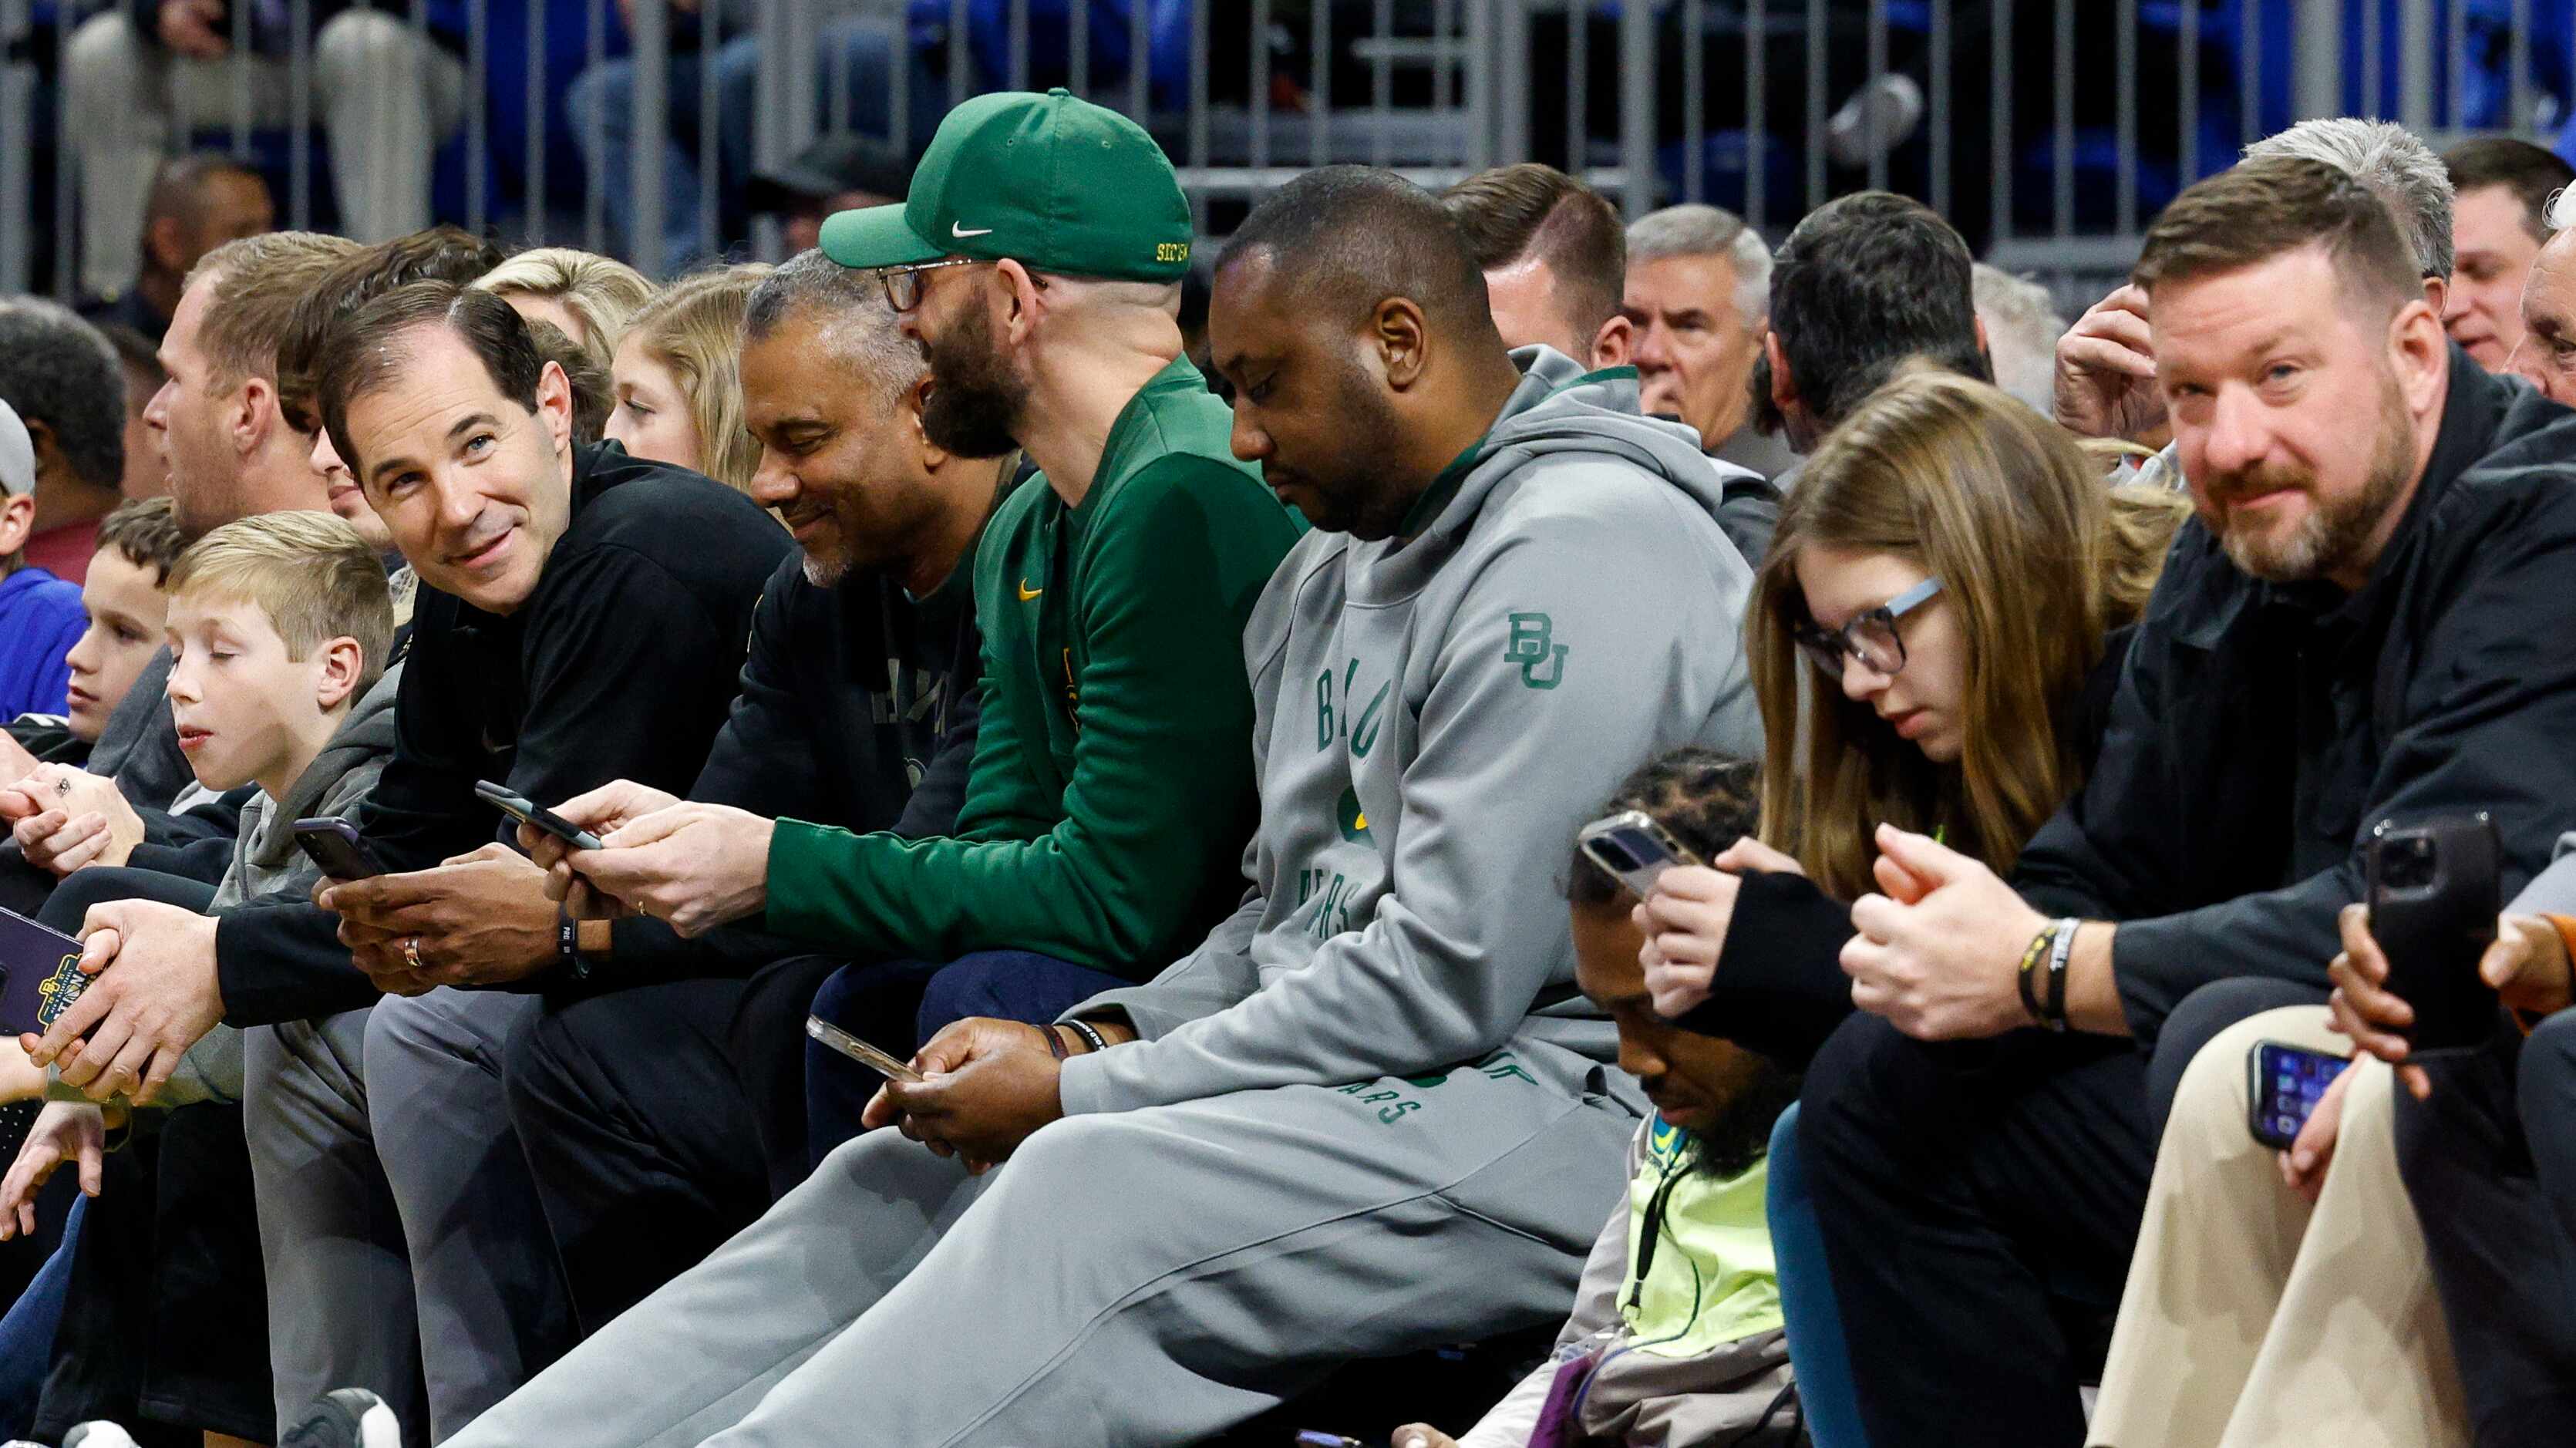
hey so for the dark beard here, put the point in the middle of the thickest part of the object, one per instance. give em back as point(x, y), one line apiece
point(1741, 1134)
point(974, 405)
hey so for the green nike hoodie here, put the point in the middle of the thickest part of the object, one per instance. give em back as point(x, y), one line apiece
point(1112, 792)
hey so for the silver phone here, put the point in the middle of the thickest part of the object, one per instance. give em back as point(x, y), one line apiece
point(859, 1051)
point(1633, 848)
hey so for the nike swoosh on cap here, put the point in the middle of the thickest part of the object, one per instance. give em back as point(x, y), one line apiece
point(956, 230)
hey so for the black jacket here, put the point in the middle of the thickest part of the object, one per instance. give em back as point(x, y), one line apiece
point(2260, 731)
point(621, 665)
point(858, 709)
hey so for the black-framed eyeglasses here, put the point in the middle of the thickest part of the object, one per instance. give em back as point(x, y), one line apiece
point(903, 283)
point(1869, 636)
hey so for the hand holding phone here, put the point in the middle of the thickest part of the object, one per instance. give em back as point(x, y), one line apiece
point(40, 975)
point(2433, 901)
point(519, 808)
point(1633, 849)
point(2285, 1083)
point(337, 847)
point(860, 1051)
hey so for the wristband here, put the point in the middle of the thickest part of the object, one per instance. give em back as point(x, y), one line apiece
point(568, 943)
point(1090, 1035)
point(1055, 1041)
point(2060, 950)
point(2029, 974)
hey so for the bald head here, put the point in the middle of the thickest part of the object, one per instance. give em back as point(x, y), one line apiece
point(1346, 238)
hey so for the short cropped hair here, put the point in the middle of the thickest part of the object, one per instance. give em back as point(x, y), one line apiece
point(602, 291)
point(145, 532)
point(2271, 207)
point(860, 331)
point(2394, 163)
point(257, 282)
point(594, 392)
point(2532, 173)
point(1863, 283)
point(1696, 230)
point(1512, 213)
point(441, 253)
point(56, 369)
point(364, 353)
point(314, 576)
point(1350, 237)
point(694, 327)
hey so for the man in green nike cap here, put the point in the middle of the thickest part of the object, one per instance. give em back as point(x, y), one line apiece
point(1038, 263)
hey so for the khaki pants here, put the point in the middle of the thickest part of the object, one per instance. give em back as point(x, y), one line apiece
point(384, 95)
point(2251, 1320)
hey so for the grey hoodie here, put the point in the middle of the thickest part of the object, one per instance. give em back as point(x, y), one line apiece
point(1444, 712)
point(267, 861)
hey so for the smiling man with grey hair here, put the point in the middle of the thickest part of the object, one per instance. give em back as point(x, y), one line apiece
point(1699, 295)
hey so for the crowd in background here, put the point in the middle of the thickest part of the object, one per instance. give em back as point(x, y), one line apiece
point(1167, 699)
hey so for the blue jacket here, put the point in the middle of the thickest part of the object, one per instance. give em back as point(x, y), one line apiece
point(40, 620)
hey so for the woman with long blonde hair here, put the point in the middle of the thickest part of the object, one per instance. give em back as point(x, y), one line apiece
point(1934, 637)
point(678, 378)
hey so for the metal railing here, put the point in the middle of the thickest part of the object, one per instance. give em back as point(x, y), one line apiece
point(2049, 129)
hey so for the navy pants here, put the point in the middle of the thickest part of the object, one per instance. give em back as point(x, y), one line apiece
point(1011, 985)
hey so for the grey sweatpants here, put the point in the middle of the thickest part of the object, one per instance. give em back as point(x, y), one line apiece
point(404, 1242)
point(1141, 1277)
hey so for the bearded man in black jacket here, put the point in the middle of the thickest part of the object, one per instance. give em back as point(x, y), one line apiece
point(582, 617)
point(2356, 627)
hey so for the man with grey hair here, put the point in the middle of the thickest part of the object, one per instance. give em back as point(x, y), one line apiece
point(2022, 328)
point(63, 379)
point(2106, 371)
point(1699, 295)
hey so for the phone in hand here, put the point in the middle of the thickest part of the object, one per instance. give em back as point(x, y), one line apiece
point(860, 1051)
point(338, 848)
point(40, 975)
point(517, 807)
point(2434, 897)
point(2285, 1084)
point(1633, 849)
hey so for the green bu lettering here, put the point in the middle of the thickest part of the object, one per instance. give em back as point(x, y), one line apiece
point(1533, 646)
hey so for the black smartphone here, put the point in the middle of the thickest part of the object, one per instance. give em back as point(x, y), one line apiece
point(519, 808)
point(2286, 1083)
point(2434, 898)
point(338, 848)
point(40, 975)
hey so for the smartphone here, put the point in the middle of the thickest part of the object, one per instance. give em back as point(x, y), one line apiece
point(40, 975)
point(859, 1051)
point(518, 808)
point(1633, 848)
point(338, 848)
point(2285, 1084)
point(2433, 899)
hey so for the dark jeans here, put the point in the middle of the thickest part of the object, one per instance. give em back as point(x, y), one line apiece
point(2490, 1163)
point(1011, 985)
point(650, 1132)
point(1979, 1202)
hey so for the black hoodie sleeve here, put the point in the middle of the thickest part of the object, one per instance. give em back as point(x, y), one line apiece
point(1779, 988)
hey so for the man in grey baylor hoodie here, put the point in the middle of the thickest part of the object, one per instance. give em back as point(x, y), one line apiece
point(1370, 1113)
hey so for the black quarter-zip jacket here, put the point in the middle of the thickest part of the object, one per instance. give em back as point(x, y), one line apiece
point(621, 665)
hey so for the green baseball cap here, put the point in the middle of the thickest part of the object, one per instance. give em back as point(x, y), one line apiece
point(1050, 181)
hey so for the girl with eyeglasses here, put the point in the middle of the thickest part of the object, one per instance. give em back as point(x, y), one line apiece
point(1934, 637)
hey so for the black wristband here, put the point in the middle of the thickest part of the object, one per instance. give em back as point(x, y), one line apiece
point(1090, 1034)
point(568, 943)
point(1055, 1042)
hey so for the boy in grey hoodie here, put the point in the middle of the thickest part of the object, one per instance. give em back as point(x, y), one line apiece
point(1370, 1113)
point(279, 627)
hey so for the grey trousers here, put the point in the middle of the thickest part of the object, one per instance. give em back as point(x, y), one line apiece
point(1142, 1277)
point(406, 1250)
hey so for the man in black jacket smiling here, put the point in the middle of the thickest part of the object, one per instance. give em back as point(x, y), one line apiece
point(2355, 628)
point(582, 616)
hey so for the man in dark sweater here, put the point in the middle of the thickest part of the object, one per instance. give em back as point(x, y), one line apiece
point(2354, 629)
point(581, 616)
point(649, 1086)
